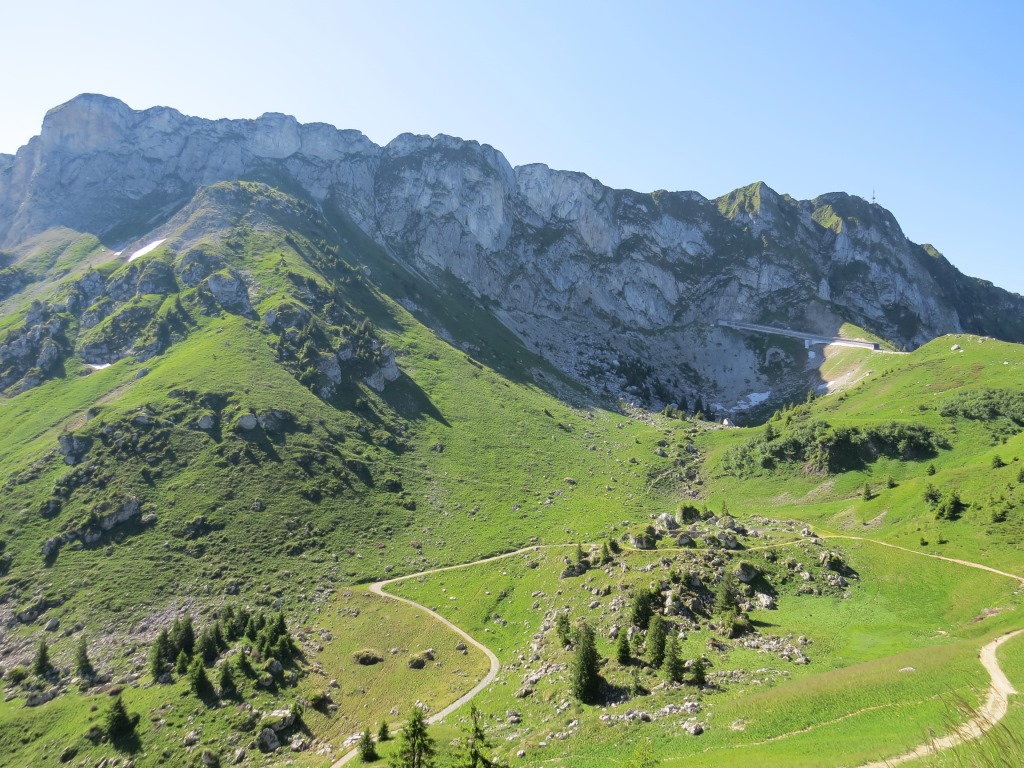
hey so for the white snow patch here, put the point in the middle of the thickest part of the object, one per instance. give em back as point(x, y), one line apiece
point(146, 249)
point(749, 401)
point(99, 367)
point(118, 253)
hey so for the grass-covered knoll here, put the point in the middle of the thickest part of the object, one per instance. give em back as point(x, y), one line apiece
point(956, 397)
point(899, 612)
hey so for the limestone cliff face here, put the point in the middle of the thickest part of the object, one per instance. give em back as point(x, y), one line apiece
point(618, 288)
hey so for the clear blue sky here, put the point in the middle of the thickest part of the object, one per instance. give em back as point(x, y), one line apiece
point(922, 101)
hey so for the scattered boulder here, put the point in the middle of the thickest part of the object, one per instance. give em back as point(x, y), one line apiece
point(73, 448)
point(248, 422)
point(210, 758)
point(746, 572)
point(367, 657)
point(278, 720)
point(191, 738)
point(268, 740)
point(693, 727)
point(575, 569)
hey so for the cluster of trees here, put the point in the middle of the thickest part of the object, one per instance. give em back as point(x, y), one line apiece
point(181, 650)
point(417, 748)
point(682, 408)
point(43, 668)
point(947, 506)
point(661, 645)
point(831, 448)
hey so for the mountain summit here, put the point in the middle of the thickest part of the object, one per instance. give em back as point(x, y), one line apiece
point(621, 290)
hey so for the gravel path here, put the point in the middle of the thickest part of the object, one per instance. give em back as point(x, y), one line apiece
point(991, 712)
point(377, 588)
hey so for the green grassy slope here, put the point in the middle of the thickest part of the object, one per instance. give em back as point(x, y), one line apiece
point(243, 428)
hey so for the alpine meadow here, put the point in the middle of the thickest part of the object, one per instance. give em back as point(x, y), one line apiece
point(316, 451)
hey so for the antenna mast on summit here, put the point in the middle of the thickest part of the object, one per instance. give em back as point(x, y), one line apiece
point(872, 195)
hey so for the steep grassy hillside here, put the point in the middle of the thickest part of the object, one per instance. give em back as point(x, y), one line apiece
point(256, 408)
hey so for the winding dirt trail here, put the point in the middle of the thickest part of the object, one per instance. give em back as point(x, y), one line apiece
point(377, 588)
point(987, 717)
point(966, 563)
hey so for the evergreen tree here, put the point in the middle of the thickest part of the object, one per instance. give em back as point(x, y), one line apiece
point(206, 647)
point(583, 673)
point(181, 663)
point(622, 647)
point(183, 635)
point(866, 493)
point(673, 666)
point(41, 663)
point(284, 648)
point(606, 555)
point(698, 670)
point(160, 654)
point(83, 665)
point(367, 749)
point(279, 627)
point(636, 686)
point(197, 679)
point(656, 636)
point(642, 609)
point(725, 596)
point(475, 743)
point(415, 746)
point(580, 555)
point(119, 723)
point(563, 629)
point(220, 635)
point(242, 662)
point(383, 734)
point(226, 682)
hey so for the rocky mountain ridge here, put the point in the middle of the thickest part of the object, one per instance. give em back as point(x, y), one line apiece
point(620, 289)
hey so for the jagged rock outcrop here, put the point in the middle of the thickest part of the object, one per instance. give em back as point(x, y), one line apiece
point(618, 288)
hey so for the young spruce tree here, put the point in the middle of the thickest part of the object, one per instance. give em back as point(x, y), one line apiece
point(415, 746)
point(583, 673)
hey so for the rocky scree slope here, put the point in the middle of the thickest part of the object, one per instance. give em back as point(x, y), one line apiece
point(618, 288)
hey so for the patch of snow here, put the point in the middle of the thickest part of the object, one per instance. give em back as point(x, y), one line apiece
point(754, 398)
point(147, 249)
point(99, 367)
point(118, 253)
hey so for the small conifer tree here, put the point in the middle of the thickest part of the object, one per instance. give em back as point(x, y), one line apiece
point(583, 673)
point(673, 666)
point(416, 747)
point(83, 665)
point(622, 654)
point(656, 637)
point(367, 749)
point(41, 663)
point(226, 681)
point(119, 724)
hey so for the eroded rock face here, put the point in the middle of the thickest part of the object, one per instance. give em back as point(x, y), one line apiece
point(620, 289)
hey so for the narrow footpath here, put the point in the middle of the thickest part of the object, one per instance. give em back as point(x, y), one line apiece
point(377, 588)
point(991, 712)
